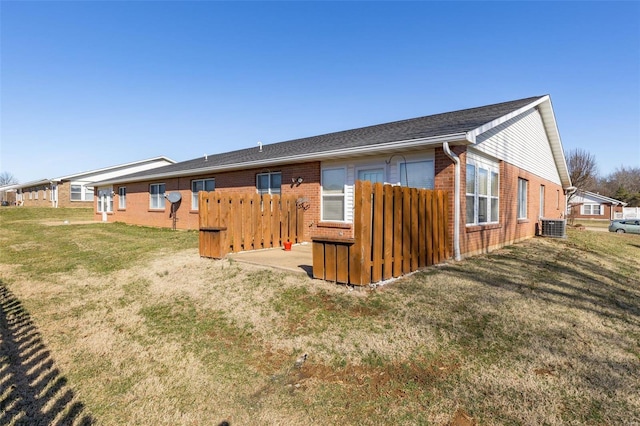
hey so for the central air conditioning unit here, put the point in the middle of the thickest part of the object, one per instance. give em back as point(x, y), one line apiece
point(553, 228)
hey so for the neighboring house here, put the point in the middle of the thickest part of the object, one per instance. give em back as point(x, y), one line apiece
point(76, 190)
point(502, 164)
point(8, 194)
point(589, 205)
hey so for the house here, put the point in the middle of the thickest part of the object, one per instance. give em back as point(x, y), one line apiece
point(589, 205)
point(76, 190)
point(503, 165)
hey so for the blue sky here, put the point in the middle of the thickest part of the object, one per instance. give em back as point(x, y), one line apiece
point(86, 85)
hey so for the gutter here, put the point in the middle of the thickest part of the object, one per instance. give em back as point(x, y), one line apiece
point(456, 200)
point(369, 149)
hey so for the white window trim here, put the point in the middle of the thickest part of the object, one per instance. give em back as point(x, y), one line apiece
point(344, 195)
point(591, 206)
point(122, 198)
point(194, 196)
point(151, 196)
point(371, 168)
point(526, 199)
point(492, 167)
point(429, 159)
point(270, 190)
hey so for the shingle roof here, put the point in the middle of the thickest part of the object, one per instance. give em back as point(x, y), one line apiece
point(415, 128)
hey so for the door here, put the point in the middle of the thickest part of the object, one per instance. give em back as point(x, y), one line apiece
point(105, 202)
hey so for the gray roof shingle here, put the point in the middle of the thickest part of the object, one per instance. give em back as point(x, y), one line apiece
point(404, 130)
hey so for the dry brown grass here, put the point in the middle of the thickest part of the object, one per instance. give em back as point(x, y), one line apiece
point(543, 332)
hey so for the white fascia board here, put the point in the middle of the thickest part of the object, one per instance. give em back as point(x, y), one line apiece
point(549, 121)
point(599, 197)
point(33, 183)
point(119, 166)
point(348, 152)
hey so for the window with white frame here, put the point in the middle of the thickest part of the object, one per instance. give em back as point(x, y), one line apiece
point(198, 185)
point(482, 191)
point(523, 186)
point(591, 210)
point(76, 192)
point(417, 174)
point(542, 197)
point(269, 183)
point(156, 196)
point(372, 175)
point(88, 193)
point(333, 194)
point(122, 197)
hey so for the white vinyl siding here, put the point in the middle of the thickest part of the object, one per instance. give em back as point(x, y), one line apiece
point(522, 142)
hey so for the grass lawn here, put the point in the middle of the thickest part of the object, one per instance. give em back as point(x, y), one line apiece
point(113, 324)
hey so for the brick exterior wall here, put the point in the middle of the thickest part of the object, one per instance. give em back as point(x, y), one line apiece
point(64, 197)
point(137, 210)
point(510, 229)
point(608, 212)
point(473, 239)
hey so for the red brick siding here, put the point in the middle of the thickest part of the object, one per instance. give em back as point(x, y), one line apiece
point(137, 211)
point(483, 238)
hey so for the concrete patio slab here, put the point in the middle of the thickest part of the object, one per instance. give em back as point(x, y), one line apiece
point(298, 259)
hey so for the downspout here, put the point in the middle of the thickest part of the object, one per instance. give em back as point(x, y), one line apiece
point(456, 200)
point(569, 192)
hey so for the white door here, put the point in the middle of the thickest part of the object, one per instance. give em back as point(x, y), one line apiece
point(105, 202)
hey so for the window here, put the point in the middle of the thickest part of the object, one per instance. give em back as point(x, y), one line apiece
point(200, 185)
point(522, 198)
point(88, 193)
point(156, 196)
point(541, 200)
point(482, 191)
point(557, 199)
point(76, 192)
point(419, 174)
point(268, 183)
point(333, 194)
point(372, 175)
point(37, 193)
point(591, 209)
point(122, 198)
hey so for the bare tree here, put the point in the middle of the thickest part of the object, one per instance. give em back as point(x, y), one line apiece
point(7, 178)
point(582, 169)
point(623, 184)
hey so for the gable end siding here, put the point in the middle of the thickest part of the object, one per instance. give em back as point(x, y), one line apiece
point(522, 141)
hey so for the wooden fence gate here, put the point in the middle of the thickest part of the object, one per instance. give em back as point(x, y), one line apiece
point(230, 223)
point(396, 231)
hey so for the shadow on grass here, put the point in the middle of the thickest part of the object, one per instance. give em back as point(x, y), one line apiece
point(32, 390)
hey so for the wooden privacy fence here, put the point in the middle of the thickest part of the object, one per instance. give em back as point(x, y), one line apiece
point(230, 223)
point(396, 231)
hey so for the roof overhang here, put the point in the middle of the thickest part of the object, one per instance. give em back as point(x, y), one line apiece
point(119, 166)
point(543, 104)
point(389, 147)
